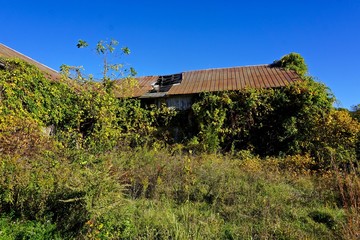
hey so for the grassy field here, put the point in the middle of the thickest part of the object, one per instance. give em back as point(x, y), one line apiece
point(159, 194)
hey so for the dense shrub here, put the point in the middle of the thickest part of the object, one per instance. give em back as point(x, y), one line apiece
point(292, 61)
point(81, 114)
point(297, 119)
point(10, 229)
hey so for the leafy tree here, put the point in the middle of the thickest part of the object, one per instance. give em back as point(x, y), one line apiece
point(355, 112)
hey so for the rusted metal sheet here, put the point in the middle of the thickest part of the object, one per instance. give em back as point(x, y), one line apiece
point(200, 76)
point(192, 84)
point(236, 78)
point(223, 79)
point(144, 85)
point(185, 86)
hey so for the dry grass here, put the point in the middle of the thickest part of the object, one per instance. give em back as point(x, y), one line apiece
point(349, 186)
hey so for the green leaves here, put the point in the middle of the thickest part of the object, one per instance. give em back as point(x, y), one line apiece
point(292, 61)
point(103, 47)
point(125, 50)
point(100, 48)
point(289, 120)
point(27, 93)
point(82, 44)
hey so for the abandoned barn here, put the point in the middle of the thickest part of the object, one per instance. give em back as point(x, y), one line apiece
point(179, 90)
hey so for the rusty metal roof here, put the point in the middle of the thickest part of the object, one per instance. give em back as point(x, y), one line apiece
point(220, 79)
point(7, 52)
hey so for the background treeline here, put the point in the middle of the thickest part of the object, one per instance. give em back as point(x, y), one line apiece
point(79, 162)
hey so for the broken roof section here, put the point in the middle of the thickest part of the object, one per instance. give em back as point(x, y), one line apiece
point(214, 80)
point(7, 52)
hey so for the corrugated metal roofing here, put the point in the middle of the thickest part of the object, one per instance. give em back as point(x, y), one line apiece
point(10, 53)
point(144, 85)
point(221, 79)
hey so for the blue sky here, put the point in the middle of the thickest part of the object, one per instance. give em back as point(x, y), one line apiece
point(168, 37)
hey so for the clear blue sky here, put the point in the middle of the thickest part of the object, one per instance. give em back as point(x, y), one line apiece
point(173, 36)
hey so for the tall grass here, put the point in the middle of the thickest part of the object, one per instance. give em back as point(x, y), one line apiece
point(156, 194)
point(348, 183)
point(224, 197)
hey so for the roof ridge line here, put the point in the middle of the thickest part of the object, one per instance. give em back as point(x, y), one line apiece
point(219, 68)
point(207, 69)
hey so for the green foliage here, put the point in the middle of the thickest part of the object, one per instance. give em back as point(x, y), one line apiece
point(212, 196)
point(21, 136)
point(210, 114)
point(321, 217)
point(25, 92)
point(84, 114)
point(144, 193)
point(67, 188)
point(356, 112)
point(339, 135)
point(10, 229)
point(293, 61)
point(82, 44)
point(110, 70)
point(296, 119)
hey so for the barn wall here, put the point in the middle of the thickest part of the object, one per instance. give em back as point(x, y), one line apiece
point(182, 102)
point(179, 102)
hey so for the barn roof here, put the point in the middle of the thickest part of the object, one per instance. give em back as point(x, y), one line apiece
point(11, 53)
point(214, 80)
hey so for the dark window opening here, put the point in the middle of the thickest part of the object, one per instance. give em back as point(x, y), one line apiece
point(164, 83)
